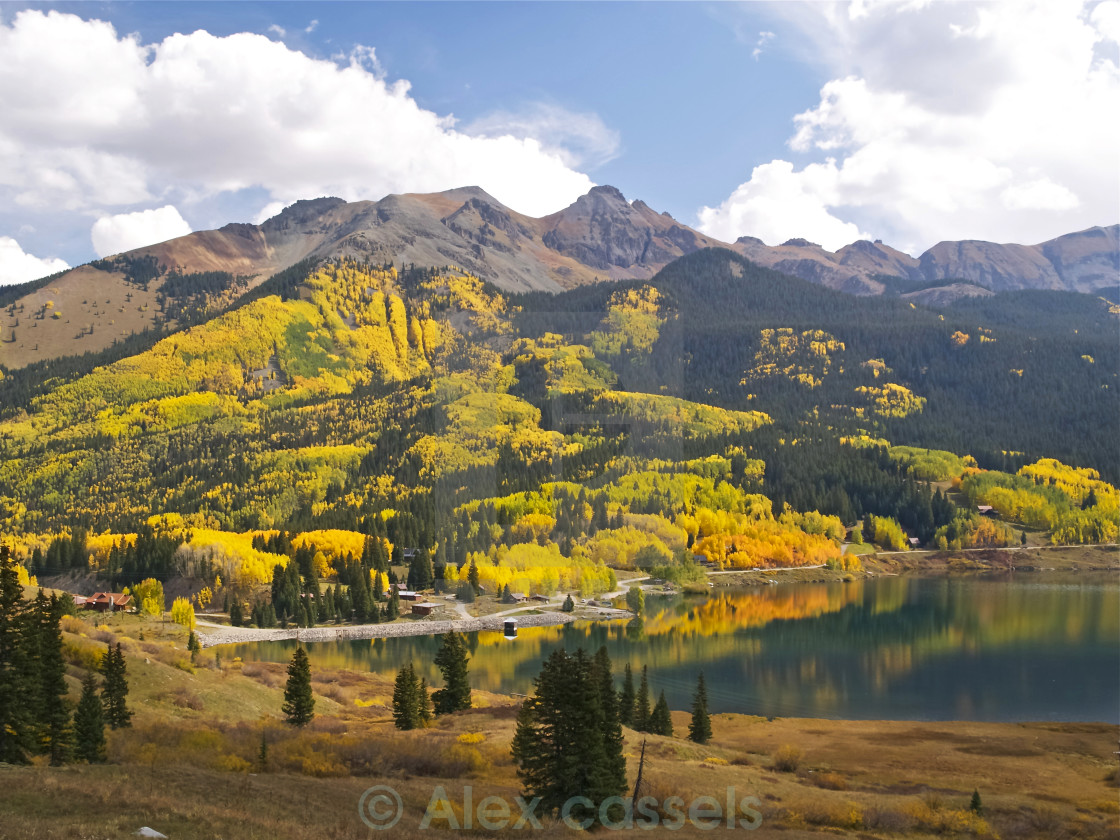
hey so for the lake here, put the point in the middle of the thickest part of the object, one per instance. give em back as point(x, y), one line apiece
point(1009, 648)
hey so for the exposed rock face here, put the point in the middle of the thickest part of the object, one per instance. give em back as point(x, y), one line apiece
point(1087, 260)
point(604, 231)
point(1077, 262)
point(999, 267)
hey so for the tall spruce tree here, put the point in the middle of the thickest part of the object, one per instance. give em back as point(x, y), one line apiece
point(614, 767)
point(700, 728)
point(660, 721)
point(56, 737)
point(452, 660)
point(299, 703)
point(560, 746)
point(89, 724)
point(626, 697)
point(114, 693)
point(642, 710)
point(473, 577)
point(410, 709)
point(14, 674)
point(393, 608)
point(420, 573)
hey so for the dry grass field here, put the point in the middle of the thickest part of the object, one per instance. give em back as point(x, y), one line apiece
point(191, 767)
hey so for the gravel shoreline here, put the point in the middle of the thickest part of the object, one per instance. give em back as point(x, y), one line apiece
point(211, 635)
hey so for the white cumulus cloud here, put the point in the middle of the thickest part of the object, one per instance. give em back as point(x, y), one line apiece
point(125, 231)
point(97, 123)
point(994, 121)
point(19, 267)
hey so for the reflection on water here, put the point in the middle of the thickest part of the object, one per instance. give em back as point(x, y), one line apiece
point(890, 648)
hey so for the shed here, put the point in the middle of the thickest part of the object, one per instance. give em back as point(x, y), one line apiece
point(509, 628)
point(108, 601)
point(424, 608)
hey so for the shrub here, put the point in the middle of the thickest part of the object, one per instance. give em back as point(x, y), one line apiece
point(787, 759)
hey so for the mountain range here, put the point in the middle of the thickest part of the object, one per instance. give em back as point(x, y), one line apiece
point(601, 236)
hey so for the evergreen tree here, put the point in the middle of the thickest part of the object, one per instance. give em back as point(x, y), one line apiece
point(299, 703)
point(560, 747)
point(614, 767)
point(393, 608)
point(700, 729)
point(452, 660)
point(420, 573)
point(974, 804)
point(236, 617)
point(14, 676)
point(89, 724)
point(641, 703)
point(569, 605)
point(262, 754)
point(52, 711)
point(473, 577)
point(660, 721)
point(626, 698)
point(425, 701)
point(193, 645)
point(409, 708)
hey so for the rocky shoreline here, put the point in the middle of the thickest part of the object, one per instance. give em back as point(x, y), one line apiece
point(211, 635)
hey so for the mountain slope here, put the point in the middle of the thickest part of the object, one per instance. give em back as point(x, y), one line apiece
point(601, 236)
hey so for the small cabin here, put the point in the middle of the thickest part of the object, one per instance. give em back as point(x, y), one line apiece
point(509, 628)
point(986, 510)
point(540, 597)
point(404, 594)
point(108, 601)
point(423, 608)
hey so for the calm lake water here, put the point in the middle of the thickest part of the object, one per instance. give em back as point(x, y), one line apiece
point(901, 648)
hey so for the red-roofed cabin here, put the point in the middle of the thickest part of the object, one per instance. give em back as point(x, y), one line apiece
point(108, 601)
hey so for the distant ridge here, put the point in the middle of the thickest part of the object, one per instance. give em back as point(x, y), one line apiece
point(601, 236)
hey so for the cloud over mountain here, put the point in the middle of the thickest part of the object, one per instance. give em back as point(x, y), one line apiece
point(96, 121)
point(945, 121)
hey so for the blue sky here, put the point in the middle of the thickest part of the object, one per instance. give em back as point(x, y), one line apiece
point(904, 120)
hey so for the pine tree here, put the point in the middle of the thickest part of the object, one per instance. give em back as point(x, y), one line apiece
point(660, 721)
point(262, 753)
point(425, 701)
point(393, 608)
point(89, 724)
point(452, 661)
point(975, 805)
point(614, 766)
point(560, 747)
point(53, 709)
point(473, 577)
point(641, 703)
point(14, 676)
point(115, 690)
point(626, 698)
point(236, 618)
point(700, 729)
point(194, 646)
point(409, 708)
point(569, 605)
point(420, 574)
point(299, 703)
